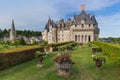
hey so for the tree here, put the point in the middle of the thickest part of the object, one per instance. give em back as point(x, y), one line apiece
point(16, 43)
point(8, 42)
point(22, 41)
point(34, 42)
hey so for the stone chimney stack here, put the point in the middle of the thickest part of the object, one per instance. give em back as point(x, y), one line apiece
point(82, 7)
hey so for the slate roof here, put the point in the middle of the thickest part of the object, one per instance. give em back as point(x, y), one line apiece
point(83, 16)
point(93, 19)
point(50, 23)
point(76, 21)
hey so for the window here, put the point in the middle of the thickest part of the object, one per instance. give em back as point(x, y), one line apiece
point(62, 39)
point(85, 37)
point(89, 38)
point(59, 39)
point(82, 37)
point(75, 25)
point(89, 25)
point(75, 37)
point(82, 25)
point(62, 35)
point(78, 37)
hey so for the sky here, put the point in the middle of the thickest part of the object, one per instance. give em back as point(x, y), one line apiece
point(33, 14)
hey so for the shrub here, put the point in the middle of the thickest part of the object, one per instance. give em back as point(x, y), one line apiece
point(22, 41)
point(111, 50)
point(14, 56)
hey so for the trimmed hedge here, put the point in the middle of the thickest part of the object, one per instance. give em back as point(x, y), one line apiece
point(68, 46)
point(60, 45)
point(111, 50)
point(14, 56)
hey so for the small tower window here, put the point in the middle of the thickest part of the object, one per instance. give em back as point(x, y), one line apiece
point(75, 25)
point(82, 25)
point(89, 25)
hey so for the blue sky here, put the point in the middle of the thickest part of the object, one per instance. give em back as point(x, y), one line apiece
point(33, 14)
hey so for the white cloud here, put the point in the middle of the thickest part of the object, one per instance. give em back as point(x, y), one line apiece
point(109, 25)
point(33, 14)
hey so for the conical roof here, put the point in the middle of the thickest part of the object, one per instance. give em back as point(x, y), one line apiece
point(93, 19)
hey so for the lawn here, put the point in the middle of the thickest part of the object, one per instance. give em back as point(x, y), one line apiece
point(83, 69)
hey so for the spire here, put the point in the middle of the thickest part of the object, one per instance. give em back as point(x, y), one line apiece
point(82, 7)
point(12, 26)
point(12, 32)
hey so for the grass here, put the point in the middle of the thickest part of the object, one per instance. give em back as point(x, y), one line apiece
point(83, 69)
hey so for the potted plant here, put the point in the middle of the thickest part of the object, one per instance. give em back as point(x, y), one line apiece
point(40, 57)
point(63, 62)
point(99, 60)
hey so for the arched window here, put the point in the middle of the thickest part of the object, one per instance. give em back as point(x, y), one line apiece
point(78, 37)
point(82, 37)
point(75, 37)
point(82, 25)
point(85, 37)
point(89, 38)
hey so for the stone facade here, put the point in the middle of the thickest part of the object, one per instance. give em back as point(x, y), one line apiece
point(82, 28)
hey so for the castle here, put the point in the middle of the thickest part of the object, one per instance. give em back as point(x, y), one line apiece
point(82, 28)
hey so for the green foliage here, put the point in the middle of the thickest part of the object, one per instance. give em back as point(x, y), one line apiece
point(84, 69)
point(8, 42)
point(27, 33)
point(111, 40)
point(111, 50)
point(68, 46)
point(35, 42)
point(100, 56)
point(16, 43)
point(4, 33)
point(14, 56)
point(22, 41)
point(38, 53)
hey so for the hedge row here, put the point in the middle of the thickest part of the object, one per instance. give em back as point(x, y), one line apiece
point(67, 46)
point(59, 44)
point(14, 56)
point(55, 46)
point(111, 50)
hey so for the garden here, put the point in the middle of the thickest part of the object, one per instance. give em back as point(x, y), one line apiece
point(82, 66)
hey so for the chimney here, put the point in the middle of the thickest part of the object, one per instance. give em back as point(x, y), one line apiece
point(82, 7)
point(89, 15)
